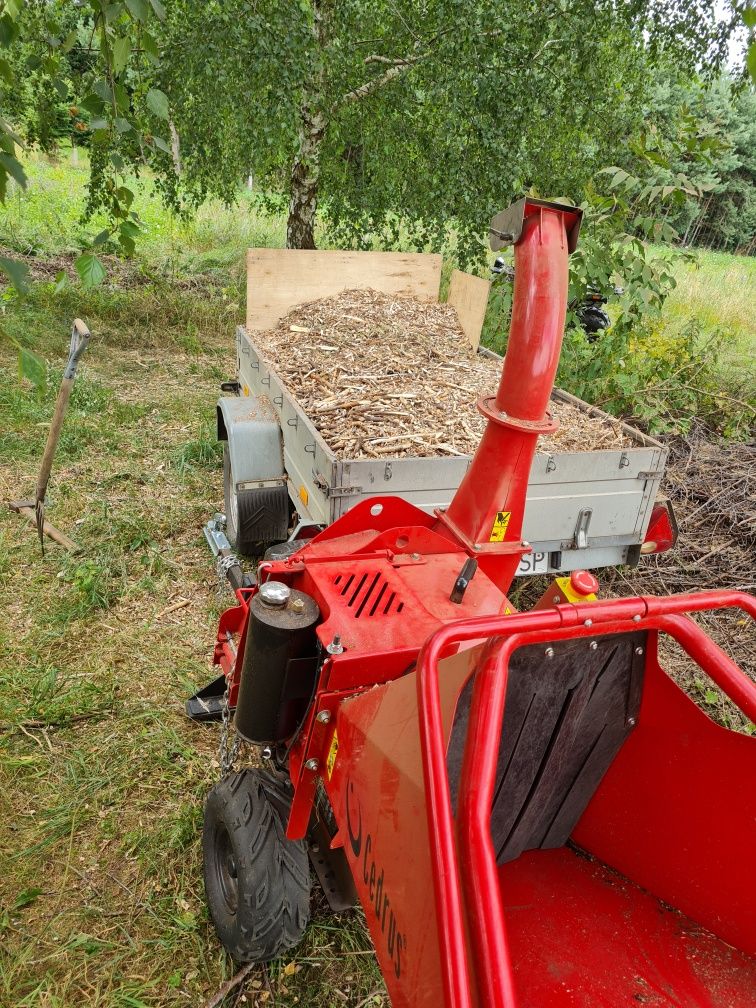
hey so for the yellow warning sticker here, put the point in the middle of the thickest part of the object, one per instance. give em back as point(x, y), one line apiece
point(304, 495)
point(500, 526)
point(332, 754)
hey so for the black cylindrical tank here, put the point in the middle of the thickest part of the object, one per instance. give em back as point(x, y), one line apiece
point(279, 664)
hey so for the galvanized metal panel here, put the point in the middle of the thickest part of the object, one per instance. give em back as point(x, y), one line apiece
point(254, 440)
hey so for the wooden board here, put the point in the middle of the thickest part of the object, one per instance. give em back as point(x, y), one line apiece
point(469, 295)
point(279, 279)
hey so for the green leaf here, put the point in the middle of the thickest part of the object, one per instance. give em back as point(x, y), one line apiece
point(9, 30)
point(13, 168)
point(17, 272)
point(122, 125)
point(6, 71)
point(130, 228)
point(122, 98)
point(159, 9)
point(61, 281)
point(157, 103)
point(124, 196)
point(139, 10)
point(161, 144)
point(26, 897)
point(101, 89)
point(93, 104)
point(101, 238)
point(69, 41)
point(751, 60)
point(150, 47)
point(121, 48)
point(90, 269)
point(710, 697)
point(35, 370)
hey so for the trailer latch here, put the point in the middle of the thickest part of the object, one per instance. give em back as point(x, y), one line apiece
point(333, 491)
point(580, 539)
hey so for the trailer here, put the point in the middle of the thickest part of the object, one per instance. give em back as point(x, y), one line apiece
point(588, 509)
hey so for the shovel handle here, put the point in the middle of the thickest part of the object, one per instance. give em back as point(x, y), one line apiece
point(79, 338)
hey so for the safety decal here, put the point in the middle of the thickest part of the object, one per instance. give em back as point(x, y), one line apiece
point(332, 753)
point(500, 526)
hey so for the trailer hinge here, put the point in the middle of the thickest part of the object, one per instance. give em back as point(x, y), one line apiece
point(348, 491)
point(334, 491)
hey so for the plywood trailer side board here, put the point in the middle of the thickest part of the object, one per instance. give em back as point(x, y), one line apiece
point(468, 295)
point(280, 279)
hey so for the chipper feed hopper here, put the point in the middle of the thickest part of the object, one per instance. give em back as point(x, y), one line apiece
point(528, 808)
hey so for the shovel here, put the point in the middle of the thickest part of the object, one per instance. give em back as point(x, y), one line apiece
point(36, 508)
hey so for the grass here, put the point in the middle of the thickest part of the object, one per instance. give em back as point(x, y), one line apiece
point(718, 291)
point(102, 776)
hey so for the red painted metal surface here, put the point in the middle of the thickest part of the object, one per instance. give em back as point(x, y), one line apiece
point(496, 482)
point(583, 936)
point(377, 791)
point(230, 641)
point(457, 909)
point(676, 813)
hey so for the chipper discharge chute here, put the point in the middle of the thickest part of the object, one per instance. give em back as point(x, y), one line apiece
point(530, 811)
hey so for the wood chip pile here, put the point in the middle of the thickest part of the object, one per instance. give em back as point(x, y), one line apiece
point(381, 376)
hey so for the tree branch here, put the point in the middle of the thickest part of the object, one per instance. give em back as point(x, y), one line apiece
point(369, 87)
point(389, 60)
point(398, 65)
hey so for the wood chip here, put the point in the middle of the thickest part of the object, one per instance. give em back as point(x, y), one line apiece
point(381, 375)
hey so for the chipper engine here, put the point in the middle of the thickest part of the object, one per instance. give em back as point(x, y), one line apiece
point(530, 811)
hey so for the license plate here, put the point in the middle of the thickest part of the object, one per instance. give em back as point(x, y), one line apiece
point(533, 563)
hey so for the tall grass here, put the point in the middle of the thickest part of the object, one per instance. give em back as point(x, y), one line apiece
point(718, 291)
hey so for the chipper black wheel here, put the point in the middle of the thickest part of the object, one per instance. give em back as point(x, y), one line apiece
point(257, 882)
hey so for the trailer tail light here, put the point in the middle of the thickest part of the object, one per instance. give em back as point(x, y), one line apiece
point(662, 529)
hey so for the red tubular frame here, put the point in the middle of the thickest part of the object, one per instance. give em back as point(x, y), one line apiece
point(496, 481)
point(476, 855)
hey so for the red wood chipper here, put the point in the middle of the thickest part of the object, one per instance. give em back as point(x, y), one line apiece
point(529, 810)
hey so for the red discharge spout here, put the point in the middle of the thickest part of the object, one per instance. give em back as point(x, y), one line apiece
point(487, 510)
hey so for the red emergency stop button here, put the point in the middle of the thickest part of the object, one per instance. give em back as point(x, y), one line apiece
point(583, 583)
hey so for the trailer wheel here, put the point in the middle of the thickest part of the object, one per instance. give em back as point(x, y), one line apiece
point(257, 882)
point(234, 501)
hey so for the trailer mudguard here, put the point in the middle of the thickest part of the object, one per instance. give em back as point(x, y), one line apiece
point(256, 497)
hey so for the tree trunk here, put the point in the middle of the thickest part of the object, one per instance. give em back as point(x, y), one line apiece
point(175, 148)
point(305, 169)
point(305, 174)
